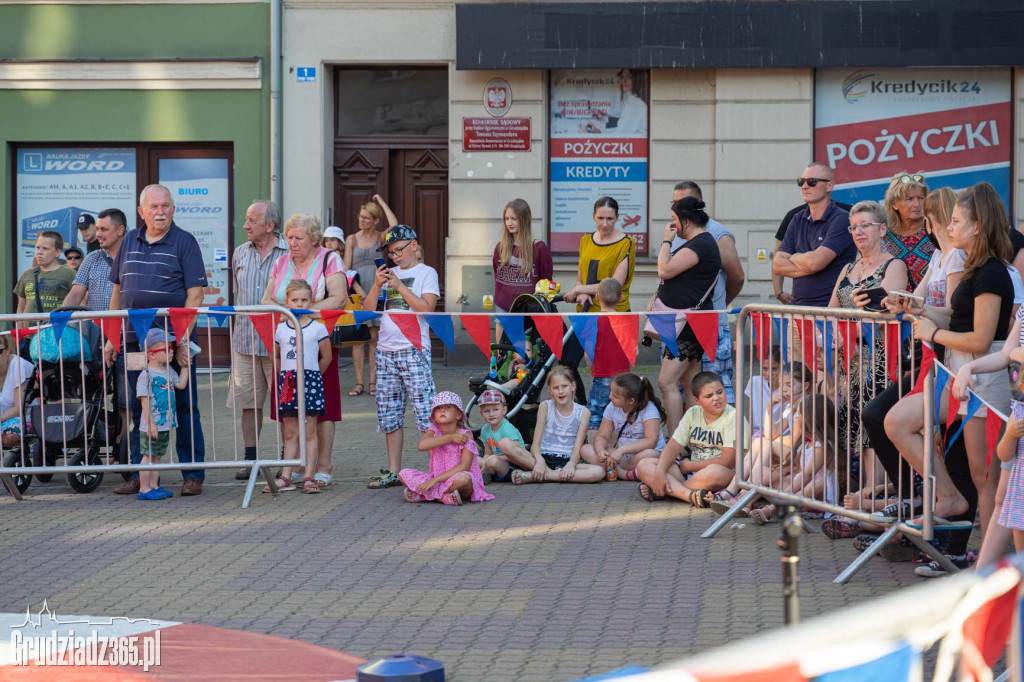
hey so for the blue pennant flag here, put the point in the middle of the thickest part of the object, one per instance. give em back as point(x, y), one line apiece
point(665, 325)
point(361, 316)
point(867, 332)
point(826, 334)
point(895, 666)
point(782, 331)
point(585, 329)
point(513, 326)
point(59, 320)
point(220, 314)
point(297, 312)
point(973, 405)
point(941, 377)
point(906, 329)
point(442, 326)
point(142, 321)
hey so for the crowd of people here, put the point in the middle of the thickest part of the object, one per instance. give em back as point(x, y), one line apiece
point(955, 256)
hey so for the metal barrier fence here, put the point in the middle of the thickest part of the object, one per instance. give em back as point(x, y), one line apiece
point(68, 417)
point(808, 445)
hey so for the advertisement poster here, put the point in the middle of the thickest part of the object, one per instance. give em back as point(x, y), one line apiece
point(952, 125)
point(56, 185)
point(200, 191)
point(598, 147)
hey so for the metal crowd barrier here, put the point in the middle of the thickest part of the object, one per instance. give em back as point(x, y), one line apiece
point(852, 356)
point(71, 404)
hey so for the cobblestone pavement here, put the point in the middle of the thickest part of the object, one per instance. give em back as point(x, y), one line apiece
point(546, 582)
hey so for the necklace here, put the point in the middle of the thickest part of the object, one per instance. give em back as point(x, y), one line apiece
point(866, 266)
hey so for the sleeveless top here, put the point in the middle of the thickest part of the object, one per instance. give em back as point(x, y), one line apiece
point(598, 261)
point(845, 291)
point(362, 262)
point(560, 431)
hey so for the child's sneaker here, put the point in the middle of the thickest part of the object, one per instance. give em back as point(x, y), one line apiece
point(838, 528)
point(165, 493)
point(934, 570)
point(151, 495)
point(453, 499)
point(863, 541)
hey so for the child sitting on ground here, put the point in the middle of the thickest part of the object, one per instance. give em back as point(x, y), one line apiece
point(504, 449)
point(454, 472)
point(559, 436)
point(699, 458)
point(155, 390)
point(609, 360)
point(630, 428)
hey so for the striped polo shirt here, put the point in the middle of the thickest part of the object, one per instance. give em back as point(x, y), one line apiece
point(251, 273)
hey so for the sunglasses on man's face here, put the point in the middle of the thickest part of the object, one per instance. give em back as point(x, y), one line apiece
point(907, 179)
point(810, 182)
point(1016, 390)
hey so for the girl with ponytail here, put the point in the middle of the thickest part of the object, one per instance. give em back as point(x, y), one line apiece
point(630, 428)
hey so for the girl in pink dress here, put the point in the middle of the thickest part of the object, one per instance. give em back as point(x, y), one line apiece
point(454, 471)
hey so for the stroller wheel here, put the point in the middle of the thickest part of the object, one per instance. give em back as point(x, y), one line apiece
point(21, 481)
point(84, 483)
point(36, 450)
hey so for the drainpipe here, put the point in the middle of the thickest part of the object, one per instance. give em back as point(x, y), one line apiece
point(275, 102)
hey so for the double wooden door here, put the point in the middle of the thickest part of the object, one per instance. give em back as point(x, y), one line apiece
point(411, 175)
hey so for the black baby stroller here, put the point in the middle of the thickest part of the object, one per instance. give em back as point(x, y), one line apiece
point(64, 403)
point(529, 385)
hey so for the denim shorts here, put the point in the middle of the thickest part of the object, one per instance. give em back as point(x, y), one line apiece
point(600, 396)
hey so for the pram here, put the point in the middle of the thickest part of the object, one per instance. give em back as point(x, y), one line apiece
point(64, 403)
point(527, 391)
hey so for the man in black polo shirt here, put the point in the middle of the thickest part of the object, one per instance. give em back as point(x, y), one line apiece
point(159, 265)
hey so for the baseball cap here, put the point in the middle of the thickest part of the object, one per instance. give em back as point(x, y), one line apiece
point(85, 220)
point(334, 232)
point(491, 397)
point(75, 249)
point(398, 233)
point(157, 336)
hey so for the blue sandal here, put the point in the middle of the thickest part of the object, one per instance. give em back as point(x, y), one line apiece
point(387, 479)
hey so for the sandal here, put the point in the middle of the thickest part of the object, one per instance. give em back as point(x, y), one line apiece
point(700, 501)
point(387, 479)
point(452, 499)
point(722, 502)
point(413, 496)
point(309, 486)
point(283, 485)
point(519, 477)
point(647, 493)
point(323, 480)
point(373, 388)
point(358, 390)
point(763, 515)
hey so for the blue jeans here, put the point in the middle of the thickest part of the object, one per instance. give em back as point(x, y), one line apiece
point(188, 419)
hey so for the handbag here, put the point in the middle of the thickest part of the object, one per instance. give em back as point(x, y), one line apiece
point(346, 332)
point(658, 307)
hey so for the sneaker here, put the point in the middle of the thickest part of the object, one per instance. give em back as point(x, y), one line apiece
point(933, 570)
point(863, 541)
point(164, 493)
point(151, 495)
point(838, 528)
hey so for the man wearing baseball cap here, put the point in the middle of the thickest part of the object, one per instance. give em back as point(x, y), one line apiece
point(504, 449)
point(403, 370)
point(87, 232)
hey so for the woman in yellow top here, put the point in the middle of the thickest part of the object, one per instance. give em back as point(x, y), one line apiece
point(607, 252)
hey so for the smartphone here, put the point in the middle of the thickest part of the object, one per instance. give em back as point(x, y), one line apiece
point(380, 262)
point(875, 298)
point(906, 298)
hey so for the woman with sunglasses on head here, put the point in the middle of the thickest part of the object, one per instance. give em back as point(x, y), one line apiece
point(975, 325)
point(360, 255)
point(907, 239)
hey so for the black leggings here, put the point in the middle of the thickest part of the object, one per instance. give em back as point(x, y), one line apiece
point(873, 417)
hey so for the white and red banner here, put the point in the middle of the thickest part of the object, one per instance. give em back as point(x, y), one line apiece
point(599, 125)
point(955, 126)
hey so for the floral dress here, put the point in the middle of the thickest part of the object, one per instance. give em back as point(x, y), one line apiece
point(441, 460)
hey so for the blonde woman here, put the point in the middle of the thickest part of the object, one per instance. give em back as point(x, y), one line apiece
point(520, 261)
point(907, 238)
point(360, 254)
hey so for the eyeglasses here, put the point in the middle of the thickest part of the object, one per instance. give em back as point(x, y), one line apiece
point(810, 182)
point(1015, 376)
point(907, 179)
point(863, 226)
point(395, 253)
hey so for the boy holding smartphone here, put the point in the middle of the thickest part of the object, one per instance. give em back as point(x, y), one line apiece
point(403, 370)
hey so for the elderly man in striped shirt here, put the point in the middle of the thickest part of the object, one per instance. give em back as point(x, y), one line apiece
point(252, 367)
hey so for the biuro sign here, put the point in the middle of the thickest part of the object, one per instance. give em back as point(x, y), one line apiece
point(955, 126)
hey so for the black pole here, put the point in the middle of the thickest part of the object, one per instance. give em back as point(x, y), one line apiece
point(792, 528)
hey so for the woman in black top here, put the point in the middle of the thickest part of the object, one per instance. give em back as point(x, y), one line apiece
point(981, 305)
point(688, 279)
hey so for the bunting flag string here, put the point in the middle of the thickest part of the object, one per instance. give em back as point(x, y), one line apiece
point(142, 321)
point(665, 325)
point(479, 329)
point(59, 320)
point(927, 360)
point(111, 327)
point(551, 330)
point(585, 329)
point(181, 318)
point(221, 313)
point(973, 405)
point(627, 331)
point(264, 325)
point(515, 328)
point(330, 318)
point(705, 328)
point(363, 316)
point(409, 325)
point(443, 327)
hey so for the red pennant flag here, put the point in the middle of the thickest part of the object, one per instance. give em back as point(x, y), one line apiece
point(848, 330)
point(985, 635)
point(330, 318)
point(264, 324)
point(111, 327)
point(786, 672)
point(479, 329)
point(806, 331)
point(551, 330)
point(762, 333)
point(627, 332)
point(181, 318)
point(927, 360)
point(892, 349)
point(705, 328)
point(409, 325)
point(24, 333)
point(993, 425)
point(954, 407)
